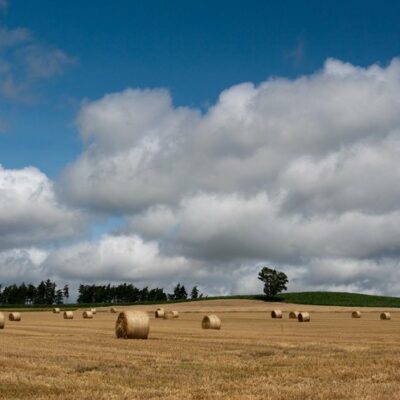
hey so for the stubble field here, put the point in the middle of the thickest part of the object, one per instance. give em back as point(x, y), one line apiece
point(252, 357)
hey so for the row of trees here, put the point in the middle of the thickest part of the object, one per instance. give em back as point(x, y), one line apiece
point(124, 293)
point(44, 293)
point(48, 293)
point(128, 293)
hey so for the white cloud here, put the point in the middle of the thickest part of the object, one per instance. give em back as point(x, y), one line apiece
point(116, 258)
point(30, 211)
point(231, 227)
point(24, 264)
point(359, 177)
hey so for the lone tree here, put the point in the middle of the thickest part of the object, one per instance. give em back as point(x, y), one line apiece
point(274, 281)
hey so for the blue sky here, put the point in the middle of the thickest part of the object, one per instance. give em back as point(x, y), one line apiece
point(195, 141)
point(195, 49)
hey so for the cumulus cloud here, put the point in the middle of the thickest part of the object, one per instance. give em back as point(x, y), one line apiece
point(231, 227)
point(115, 258)
point(21, 264)
point(339, 122)
point(30, 212)
point(303, 174)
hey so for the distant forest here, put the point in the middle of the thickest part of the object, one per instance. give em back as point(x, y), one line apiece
point(47, 293)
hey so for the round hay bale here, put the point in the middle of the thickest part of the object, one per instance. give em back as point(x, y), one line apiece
point(211, 322)
point(14, 316)
point(276, 314)
point(356, 314)
point(303, 317)
point(132, 325)
point(113, 310)
point(94, 311)
point(56, 310)
point(169, 315)
point(68, 315)
point(159, 313)
point(2, 321)
point(386, 316)
point(294, 314)
point(176, 314)
point(87, 315)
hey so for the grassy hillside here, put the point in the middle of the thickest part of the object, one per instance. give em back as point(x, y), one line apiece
point(340, 299)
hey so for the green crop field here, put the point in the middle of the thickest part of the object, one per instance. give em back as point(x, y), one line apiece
point(340, 299)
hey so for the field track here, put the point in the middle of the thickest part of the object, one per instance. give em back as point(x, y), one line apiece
point(252, 357)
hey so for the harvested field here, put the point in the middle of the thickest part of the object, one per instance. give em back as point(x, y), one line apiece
point(252, 357)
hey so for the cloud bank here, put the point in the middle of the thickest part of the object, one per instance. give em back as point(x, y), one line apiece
point(300, 174)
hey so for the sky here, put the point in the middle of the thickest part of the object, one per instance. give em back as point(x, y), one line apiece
point(194, 142)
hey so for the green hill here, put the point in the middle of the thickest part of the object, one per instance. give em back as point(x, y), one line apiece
point(340, 299)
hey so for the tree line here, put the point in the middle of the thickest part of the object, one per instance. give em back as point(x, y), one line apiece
point(128, 293)
point(44, 293)
point(47, 293)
